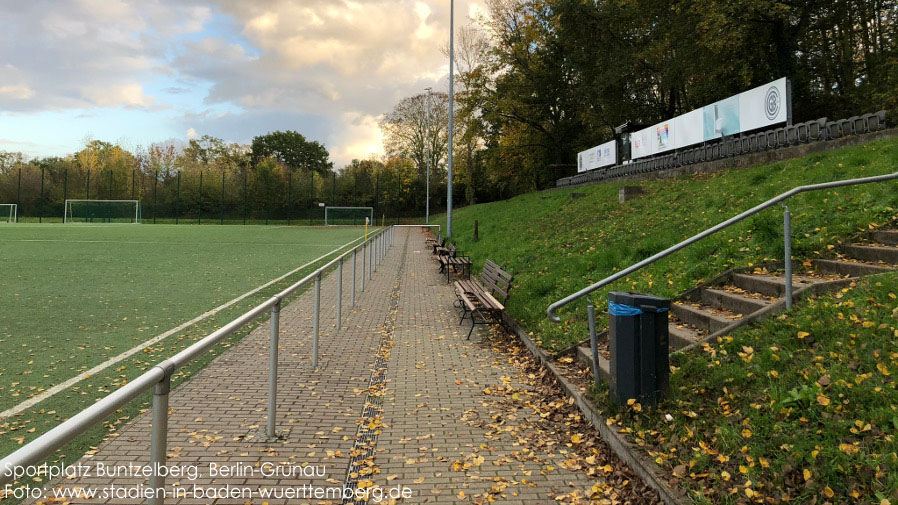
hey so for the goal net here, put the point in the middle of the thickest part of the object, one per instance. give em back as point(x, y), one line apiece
point(9, 212)
point(102, 211)
point(348, 216)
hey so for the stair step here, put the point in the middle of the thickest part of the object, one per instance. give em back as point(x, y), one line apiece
point(733, 301)
point(888, 237)
point(584, 355)
point(884, 254)
point(703, 317)
point(682, 336)
point(769, 285)
point(848, 268)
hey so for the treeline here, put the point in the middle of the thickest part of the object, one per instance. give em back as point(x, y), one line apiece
point(540, 80)
point(280, 177)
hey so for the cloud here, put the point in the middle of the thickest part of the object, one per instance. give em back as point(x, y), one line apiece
point(230, 68)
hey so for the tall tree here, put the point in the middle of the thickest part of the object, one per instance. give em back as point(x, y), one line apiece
point(293, 150)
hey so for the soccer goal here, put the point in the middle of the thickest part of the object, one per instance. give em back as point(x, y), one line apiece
point(348, 216)
point(12, 216)
point(102, 211)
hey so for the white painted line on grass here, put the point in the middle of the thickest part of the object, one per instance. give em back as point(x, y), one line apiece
point(134, 350)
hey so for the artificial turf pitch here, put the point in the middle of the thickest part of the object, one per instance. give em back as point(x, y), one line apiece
point(73, 296)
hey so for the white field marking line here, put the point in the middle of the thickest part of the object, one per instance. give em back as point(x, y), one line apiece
point(160, 243)
point(134, 350)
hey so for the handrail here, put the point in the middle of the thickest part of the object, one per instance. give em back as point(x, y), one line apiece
point(373, 251)
point(550, 312)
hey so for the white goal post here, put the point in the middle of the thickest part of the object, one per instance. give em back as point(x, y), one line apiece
point(102, 211)
point(348, 216)
point(13, 215)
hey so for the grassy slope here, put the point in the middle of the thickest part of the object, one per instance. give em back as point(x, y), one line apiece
point(802, 407)
point(555, 246)
point(70, 305)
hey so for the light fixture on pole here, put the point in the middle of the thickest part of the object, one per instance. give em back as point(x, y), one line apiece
point(427, 164)
point(451, 114)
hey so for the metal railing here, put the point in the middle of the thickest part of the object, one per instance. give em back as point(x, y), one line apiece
point(372, 250)
point(787, 225)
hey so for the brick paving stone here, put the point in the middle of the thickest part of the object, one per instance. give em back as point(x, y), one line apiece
point(434, 381)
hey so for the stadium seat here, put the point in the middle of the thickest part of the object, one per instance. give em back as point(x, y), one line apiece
point(781, 140)
point(872, 122)
point(882, 119)
point(859, 124)
point(801, 132)
point(846, 126)
point(771, 139)
point(792, 135)
point(746, 145)
point(715, 152)
point(753, 144)
point(833, 131)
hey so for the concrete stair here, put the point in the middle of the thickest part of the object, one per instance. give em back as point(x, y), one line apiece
point(742, 297)
point(716, 310)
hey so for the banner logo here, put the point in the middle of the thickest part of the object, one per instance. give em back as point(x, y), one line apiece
point(772, 103)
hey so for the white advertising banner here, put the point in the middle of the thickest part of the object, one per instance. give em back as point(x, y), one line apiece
point(756, 108)
point(596, 157)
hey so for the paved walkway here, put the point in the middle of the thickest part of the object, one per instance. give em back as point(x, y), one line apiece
point(401, 403)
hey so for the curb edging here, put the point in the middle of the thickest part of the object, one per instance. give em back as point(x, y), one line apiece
point(647, 470)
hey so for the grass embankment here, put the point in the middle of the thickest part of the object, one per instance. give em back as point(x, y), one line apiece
point(555, 245)
point(801, 408)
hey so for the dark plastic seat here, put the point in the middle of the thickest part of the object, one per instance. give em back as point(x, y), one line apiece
point(847, 126)
point(781, 140)
point(860, 124)
point(872, 122)
point(801, 133)
point(792, 135)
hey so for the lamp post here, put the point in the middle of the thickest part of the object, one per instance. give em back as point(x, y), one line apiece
point(427, 163)
point(451, 114)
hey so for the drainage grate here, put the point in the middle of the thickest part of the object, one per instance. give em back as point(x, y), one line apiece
point(366, 437)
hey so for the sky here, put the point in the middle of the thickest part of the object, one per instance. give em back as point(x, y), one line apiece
point(138, 72)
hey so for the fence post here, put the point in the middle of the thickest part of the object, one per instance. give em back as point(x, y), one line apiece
point(199, 203)
point(19, 194)
point(374, 254)
point(353, 276)
point(244, 198)
point(155, 196)
point(364, 263)
point(178, 200)
point(787, 242)
point(370, 260)
point(340, 295)
point(316, 327)
point(273, 368)
point(221, 202)
point(159, 435)
point(40, 213)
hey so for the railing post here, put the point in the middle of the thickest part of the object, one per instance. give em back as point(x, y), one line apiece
point(340, 295)
point(593, 343)
point(375, 254)
point(273, 368)
point(315, 330)
point(159, 437)
point(364, 263)
point(787, 242)
point(353, 277)
point(370, 261)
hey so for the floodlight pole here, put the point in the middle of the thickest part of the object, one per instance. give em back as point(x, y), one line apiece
point(451, 114)
point(427, 164)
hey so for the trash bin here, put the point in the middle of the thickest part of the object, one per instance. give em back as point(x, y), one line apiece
point(638, 334)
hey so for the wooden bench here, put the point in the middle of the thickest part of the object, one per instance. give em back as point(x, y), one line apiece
point(439, 247)
point(484, 300)
point(452, 260)
point(430, 241)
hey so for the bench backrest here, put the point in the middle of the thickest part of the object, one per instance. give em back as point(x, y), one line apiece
point(496, 280)
point(451, 249)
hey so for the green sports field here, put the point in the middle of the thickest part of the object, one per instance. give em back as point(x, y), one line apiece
point(73, 296)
